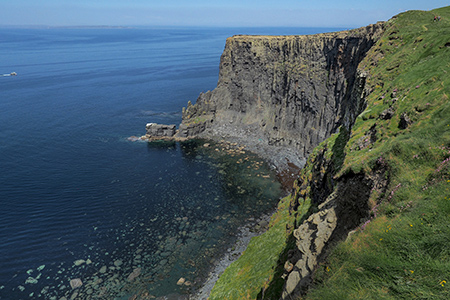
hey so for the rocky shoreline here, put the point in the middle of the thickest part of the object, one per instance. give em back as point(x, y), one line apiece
point(285, 160)
point(253, 228)
point(245, 234)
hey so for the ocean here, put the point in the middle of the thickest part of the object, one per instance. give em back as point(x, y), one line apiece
point(78, 200)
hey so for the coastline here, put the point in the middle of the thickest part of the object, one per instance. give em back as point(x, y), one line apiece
point(278, 159)
point(245, 233)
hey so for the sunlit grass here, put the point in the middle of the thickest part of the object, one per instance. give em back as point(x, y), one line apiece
point(256, 268)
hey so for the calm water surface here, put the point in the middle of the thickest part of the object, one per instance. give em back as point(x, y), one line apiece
point(80, 201)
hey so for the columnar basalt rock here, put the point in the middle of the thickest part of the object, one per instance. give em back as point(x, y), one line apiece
point(289, 91)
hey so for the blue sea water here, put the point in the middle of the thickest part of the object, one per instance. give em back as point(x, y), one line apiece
point(77, 199)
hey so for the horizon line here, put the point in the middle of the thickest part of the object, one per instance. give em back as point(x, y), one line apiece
point(42, 26)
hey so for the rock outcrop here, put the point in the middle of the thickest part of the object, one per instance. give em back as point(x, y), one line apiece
point(289, 91)
point(342, 211)
point(342, 205)
point(160, 130)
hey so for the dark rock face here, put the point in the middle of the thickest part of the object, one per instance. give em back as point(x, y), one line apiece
point(160, 130)
point(289, 91)
point(190, 130)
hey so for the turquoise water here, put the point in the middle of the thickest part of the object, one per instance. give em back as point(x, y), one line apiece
point(80, 201)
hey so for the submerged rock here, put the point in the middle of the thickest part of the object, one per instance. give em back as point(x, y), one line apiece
point(118, 263)
point(173, 297)
point(79, 262)
point(136, 272)
point(31, 280)
point(76, 283)
point(181, 281)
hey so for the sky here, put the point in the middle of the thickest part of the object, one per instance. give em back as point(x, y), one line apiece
point(223, 13)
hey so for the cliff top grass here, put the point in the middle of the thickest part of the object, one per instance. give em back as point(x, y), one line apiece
point(403, 250)
point(243, 38)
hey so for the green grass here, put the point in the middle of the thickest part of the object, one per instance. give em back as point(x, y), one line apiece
point(403, 253)
point(258, 267)
point(401, 257)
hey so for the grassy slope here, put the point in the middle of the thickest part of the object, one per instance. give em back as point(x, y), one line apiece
point(257, 273)
point(256, 268)
point(404, 251)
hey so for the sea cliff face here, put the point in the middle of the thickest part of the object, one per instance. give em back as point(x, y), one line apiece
point(288, 91)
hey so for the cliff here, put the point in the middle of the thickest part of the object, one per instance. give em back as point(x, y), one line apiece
point(368, 214)
point(284, 92)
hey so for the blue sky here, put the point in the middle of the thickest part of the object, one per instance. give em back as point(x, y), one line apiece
point(296, 13)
